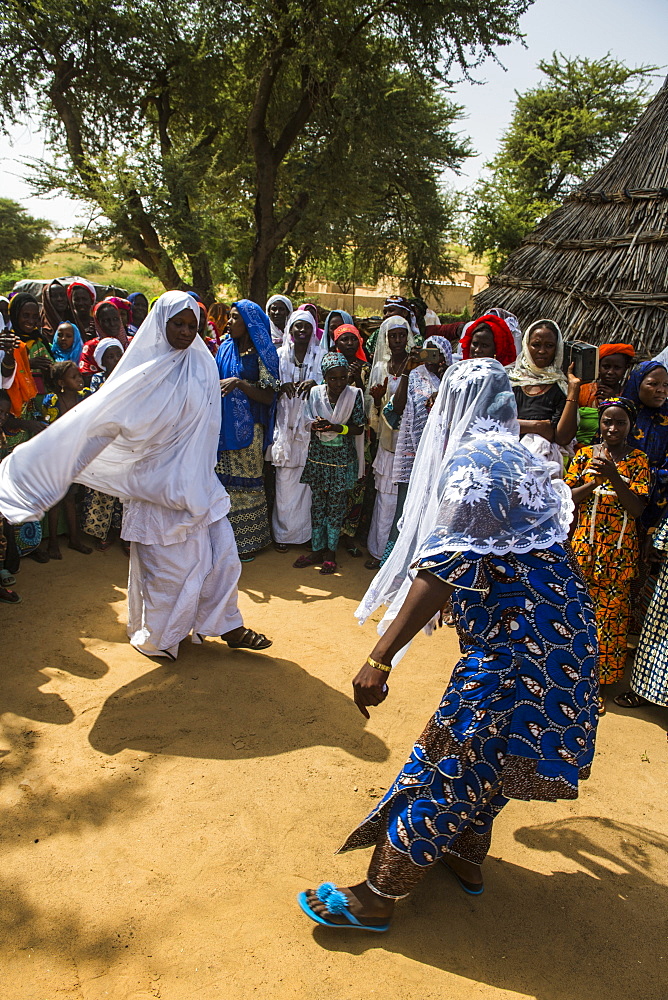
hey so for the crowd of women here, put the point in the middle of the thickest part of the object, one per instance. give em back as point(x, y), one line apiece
point(492, 490)
point(321, 421)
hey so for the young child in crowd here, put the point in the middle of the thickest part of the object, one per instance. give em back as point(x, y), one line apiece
point(68, 383)
point(67, 344)
point(334, 413)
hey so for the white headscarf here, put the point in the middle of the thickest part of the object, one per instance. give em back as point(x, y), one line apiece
point(103, 345)
point(382, 353)
point(472, 426)
point(466, 393)
point(525, 372)
point(148, 435)
point(291, 438)
point(4, 323)
point(276, 333)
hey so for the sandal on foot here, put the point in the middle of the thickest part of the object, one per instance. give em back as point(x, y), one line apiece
point(280, 547)
point(328, 567)
point(354, 552)
point(249, 640)
point(629, 699)
point(372, 564)
point(305, 561)
point(9, 596)
point(6, 578)
point(601, 705)
point(338, 904)
point(472, 888)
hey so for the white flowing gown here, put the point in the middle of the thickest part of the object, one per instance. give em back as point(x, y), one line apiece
point(149, 435)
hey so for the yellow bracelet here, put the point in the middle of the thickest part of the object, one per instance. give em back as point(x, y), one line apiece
point(344, 429)
point(378, 666)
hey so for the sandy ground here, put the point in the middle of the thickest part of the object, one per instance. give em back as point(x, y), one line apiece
point(158, 821)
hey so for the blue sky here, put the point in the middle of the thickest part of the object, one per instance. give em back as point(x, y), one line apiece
point(633, 32)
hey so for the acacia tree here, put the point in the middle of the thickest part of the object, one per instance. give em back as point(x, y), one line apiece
point(191, 127)
point(23, 238)
point(560, 133)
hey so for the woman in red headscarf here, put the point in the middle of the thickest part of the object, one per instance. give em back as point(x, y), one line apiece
point(614, 363)
point(489, 336)
point(108, 323)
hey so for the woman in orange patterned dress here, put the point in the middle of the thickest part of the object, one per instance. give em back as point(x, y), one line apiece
point(610, 485)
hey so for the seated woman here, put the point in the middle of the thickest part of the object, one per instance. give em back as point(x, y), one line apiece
point(248, 370)
point(489, 336)
point(494, 543)
point(547, 399)
point(300, 370)
point(610, 486)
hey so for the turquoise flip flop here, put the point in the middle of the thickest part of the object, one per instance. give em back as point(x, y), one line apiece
point(336, 902)
point(472, 888)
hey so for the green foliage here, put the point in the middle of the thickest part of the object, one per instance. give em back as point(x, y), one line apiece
point(203, 133)
point(22, 237)
point(561, 132)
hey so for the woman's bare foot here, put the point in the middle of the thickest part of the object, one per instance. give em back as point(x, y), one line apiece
point(78, 546)
point(364, 904)
point(53, 551)
point(466, 870)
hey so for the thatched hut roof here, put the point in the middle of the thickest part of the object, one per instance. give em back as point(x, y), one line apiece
point(598, 265)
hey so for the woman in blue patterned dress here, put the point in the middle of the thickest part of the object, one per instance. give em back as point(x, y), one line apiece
point(518, 718)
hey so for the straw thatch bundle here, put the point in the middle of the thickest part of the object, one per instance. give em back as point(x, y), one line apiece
point(598, 265)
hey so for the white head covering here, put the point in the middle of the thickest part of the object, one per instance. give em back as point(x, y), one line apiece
point(474, 400)
point(382, 353)
point(525, 372)
point(4, 323)
point(150, 434)
point(276, 333)
point(465, 393)
point(98, 353)
point(291, 438)
point(87, 284)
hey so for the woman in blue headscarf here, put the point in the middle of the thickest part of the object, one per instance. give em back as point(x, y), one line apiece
point(647, 387)
point(248, 368)
point(67, 343)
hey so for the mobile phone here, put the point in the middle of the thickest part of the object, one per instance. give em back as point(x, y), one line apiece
point(430, 355)
point(583, 357)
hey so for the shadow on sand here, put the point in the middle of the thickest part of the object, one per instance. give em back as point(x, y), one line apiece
point(246, 705)
point(598, 934)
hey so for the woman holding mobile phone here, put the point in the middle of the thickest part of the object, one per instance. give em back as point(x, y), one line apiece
point(610, 485)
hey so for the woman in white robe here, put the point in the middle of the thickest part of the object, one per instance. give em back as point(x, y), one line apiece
point(395, 340)
point(149, 436)
point(300, 360)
